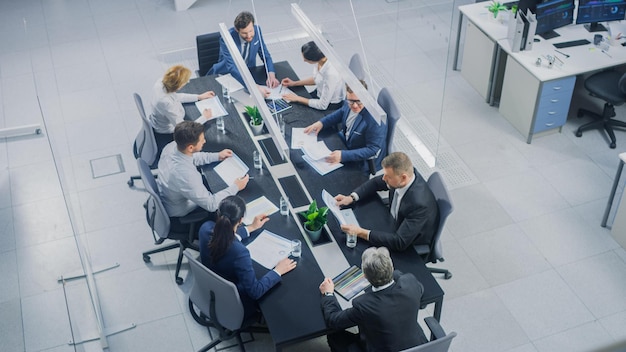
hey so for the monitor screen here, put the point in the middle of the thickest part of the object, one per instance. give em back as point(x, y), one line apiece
point(553, 14)
point(594, 11)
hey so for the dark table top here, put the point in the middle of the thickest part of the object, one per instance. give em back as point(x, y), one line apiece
point(292, 308)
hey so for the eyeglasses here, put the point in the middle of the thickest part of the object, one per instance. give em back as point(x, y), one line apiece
point(352, 102)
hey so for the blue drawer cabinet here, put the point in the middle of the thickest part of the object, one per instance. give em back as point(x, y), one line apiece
point(553, 104)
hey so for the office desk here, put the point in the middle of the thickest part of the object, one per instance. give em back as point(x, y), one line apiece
point(292, 308)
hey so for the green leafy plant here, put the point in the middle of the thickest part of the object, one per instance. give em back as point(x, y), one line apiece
point(315, 217)
point(494, 7)
point(255, 115)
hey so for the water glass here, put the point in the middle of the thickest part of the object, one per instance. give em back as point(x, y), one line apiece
point(351, 240)
point(281, 124)
point(220, 124)
point(256, 157)
point(296, 248)
point(284, 206)
point(225, 94)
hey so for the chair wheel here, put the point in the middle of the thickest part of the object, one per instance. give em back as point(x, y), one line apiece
point(146, 259)
point(612, 146)
point(447, 275)
point(179, 280)
point(579, 134)
point(131, 183)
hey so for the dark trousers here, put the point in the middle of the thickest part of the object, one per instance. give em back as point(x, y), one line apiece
point(344, 341)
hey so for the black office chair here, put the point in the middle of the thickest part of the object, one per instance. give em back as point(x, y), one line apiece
point(160, 222)
point(356, 66)
point(439, 342)
point(208, 46)
point(609, 86)
point(145, 146)
point(434, 252)
point(219, 305)
point(386, 102)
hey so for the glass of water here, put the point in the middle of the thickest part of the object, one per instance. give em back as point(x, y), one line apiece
point(220, 124)
point(351, 240)
point(284, 206)
point(256, 157)
point(281, 124)
point(225, 94)
point(296, 248)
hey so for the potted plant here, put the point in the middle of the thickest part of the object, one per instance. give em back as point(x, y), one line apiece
point(256, 120)
point(315, 219)
point(495, 7)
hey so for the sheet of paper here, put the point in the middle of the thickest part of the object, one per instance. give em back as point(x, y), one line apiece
point(316, 151)
point(277, 92)
point(259, 206)
point(229, 82)
point(299, 139)
point(214, 104)
point(331, 203)
point(231, 168)
point(269, 248)
point(321, 166)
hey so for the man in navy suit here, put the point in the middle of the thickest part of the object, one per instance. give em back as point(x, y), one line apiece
point(386, 316)
point(413, 205)
point(248, 38)
point(364, 137)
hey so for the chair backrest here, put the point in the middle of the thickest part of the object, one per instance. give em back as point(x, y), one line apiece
point(622, 84)
point(436, 185)
point(356, 66)
point(156, 216)
point(386, 102)
point(215, 296)
point(441, 344)
point(208, 46)
point(145, 146)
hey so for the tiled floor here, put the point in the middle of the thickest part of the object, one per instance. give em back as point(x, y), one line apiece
point(533, 270)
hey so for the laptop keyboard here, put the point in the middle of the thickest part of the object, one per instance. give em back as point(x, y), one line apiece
point(278, 105)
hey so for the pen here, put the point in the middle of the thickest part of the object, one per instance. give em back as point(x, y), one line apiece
point(607, 54)
point(562, 53)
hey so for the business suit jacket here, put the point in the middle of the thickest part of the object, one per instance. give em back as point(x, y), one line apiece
point(366, 138)
point(236, 267)
point(387, 319)
point(418, 214)
point(225, 63)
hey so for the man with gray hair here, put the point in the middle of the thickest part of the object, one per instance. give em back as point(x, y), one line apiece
point(386, 316)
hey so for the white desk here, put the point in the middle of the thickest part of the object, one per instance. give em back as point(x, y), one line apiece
point(537, 98)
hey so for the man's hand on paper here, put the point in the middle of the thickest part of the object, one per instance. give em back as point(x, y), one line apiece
point(258, 222)
point(284, 266)
point(343, 200)
point(334, 157)
point(225, 153)
point(272, 82)
point(206, 95)
point(314, 128)
point(242, 182)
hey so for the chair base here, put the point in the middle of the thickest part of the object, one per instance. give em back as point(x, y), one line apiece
point(446, 273)
point(131, 180)
point(601, 121)
point(182, 245)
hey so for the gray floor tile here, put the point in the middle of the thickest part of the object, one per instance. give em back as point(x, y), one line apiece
point(616, 326)
point(41, 222)
point(586, 337)
point(45, 320)
point(10, 289)
point(32, 183)
point(28, 150)
point(467, 279)
point(529, 347)
point(543, 304)
point(11, 325)
point(7, 239)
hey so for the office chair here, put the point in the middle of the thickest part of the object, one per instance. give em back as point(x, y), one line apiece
point(208, 46)
point(145, 146)
point(609, 86)
point(160, 222)
point(385, 100)
point(440, 342)
point(219, 305)
point(433, 252)
point(356, 66)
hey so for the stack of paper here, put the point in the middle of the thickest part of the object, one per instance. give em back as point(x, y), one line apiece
point(321, 166)
point(316, 151)
point(229, 82)
point(299, 139)
point(344, 216)
point(269, 248)
point(259, 206)
point(214, 103)
point(231, 168)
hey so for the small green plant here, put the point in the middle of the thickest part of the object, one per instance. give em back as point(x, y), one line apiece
point(315, 217)
point(494, 7)
point(255, 115)
point(514, 9)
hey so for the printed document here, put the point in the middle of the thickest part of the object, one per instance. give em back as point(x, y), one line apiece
point(269, 248)
point(316, 151)
point(299, 139)
point(277, 92)
point(259, 206)
point(344, 216)
point(231, 168)
point(214, 104)
point(321, 166)
point(229, 82)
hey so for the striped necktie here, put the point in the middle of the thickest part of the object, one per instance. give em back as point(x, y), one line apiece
point(245, 52)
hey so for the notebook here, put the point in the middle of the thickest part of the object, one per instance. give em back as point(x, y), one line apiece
point(350, 282)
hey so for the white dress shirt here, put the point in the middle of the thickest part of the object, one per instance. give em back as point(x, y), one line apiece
point(400, 192)
point(180, 183)
point(167, 108)
point(330, 87)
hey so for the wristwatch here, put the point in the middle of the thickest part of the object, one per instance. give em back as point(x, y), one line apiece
point(329, 294)
point(354, 196)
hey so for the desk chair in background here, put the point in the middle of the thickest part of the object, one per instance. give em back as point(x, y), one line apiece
point(433, 252)
point(219, 304)
point(145, 146)
point(386, 102)
point(609, 86)
point(208, 47)
point(356, 66)
point(439, 342)
point(160, 222)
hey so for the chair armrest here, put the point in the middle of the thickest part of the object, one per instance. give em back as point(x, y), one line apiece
point(435, 328)
point(372, 167)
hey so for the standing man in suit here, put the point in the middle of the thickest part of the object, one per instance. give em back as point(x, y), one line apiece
point(413, 205)
point(363, 136)
point(248, 38)
point(386, 316)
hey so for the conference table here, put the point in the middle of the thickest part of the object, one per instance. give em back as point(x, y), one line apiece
point(292, 308)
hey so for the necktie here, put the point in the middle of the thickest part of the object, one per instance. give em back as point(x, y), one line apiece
point(244, 54)
point(350, 123)
point(394, 205)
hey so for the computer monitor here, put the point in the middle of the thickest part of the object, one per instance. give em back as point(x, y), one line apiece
point(553, 14)
point(524, 5)
point(594, 11)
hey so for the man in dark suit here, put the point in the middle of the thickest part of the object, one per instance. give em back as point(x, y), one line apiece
point(363, 136)
point(413, 205)
point(386, 316)
point(247, 36)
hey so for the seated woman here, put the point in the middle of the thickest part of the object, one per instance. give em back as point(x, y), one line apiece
point(221, 251)
point(330, 90)
point(167, 107)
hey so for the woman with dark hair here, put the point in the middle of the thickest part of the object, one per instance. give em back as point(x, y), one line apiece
point(330, 90)
point(221, 251)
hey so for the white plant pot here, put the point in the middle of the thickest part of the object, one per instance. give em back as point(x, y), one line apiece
point(256, 129)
